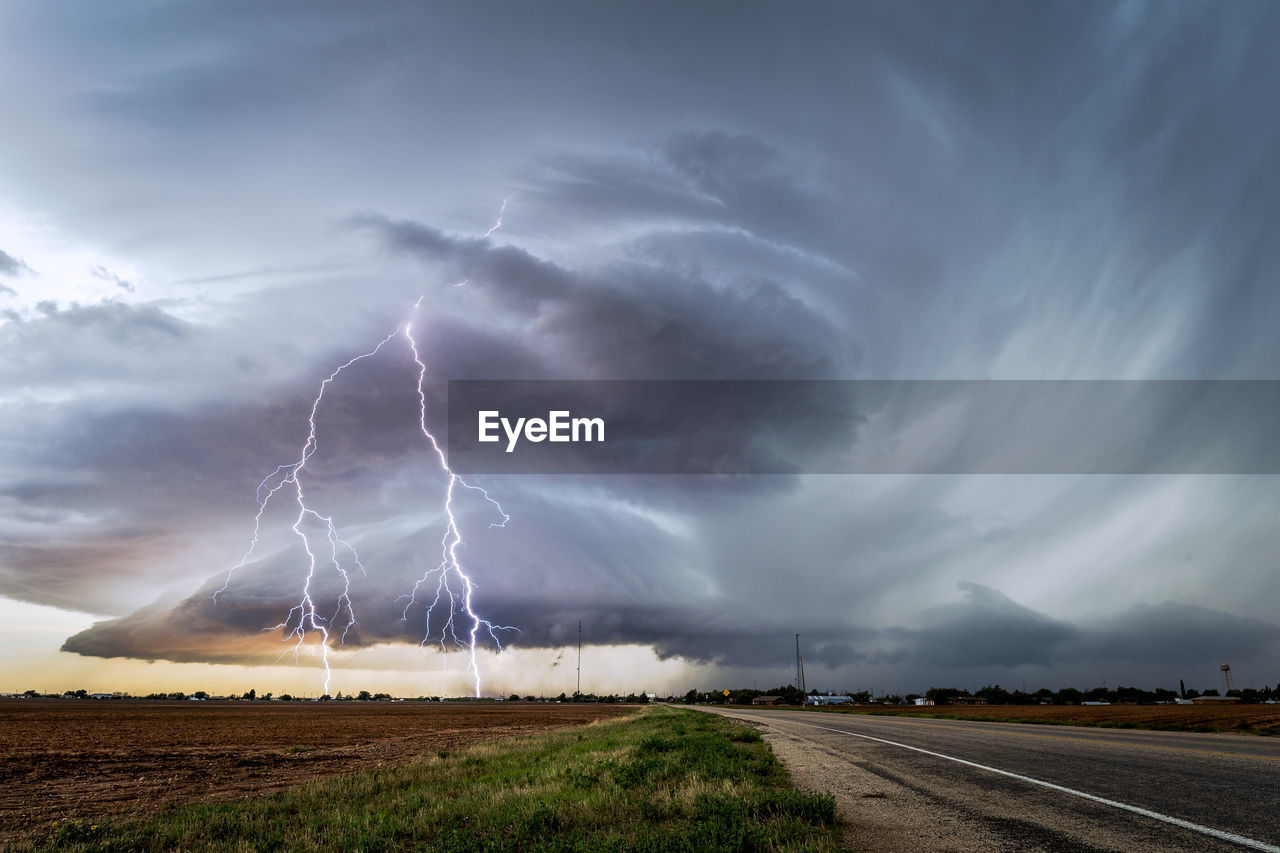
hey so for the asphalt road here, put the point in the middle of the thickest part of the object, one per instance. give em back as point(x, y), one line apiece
point(909, 784)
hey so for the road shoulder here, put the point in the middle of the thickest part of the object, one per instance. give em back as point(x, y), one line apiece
point(879, 812)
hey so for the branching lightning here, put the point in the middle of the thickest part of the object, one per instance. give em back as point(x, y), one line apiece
point(453, 586)
point(449, 566)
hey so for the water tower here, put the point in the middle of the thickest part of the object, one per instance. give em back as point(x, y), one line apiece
point(1226, 679)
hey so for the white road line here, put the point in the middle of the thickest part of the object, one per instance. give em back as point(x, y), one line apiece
point(1176, 821)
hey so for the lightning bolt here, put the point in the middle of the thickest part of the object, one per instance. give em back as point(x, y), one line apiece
point(453, 586)
point(303, 616)
point(449, 566)
point(498, 224)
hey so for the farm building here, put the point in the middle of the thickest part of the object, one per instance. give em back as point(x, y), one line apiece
point(1210, 700)
point(767, 700)
point(829, 700)
point(967, 700)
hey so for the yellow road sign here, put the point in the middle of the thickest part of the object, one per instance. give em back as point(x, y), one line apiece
point(726, 693)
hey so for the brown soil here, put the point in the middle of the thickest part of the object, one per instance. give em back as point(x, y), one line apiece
point(1259, 719)
point(94, 759)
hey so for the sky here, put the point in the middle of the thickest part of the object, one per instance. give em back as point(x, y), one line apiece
point(205, 209)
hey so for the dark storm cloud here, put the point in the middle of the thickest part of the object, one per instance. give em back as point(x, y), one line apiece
point(989, 631)
point(196, 631)
point(615, 594)
point(1150, 634)
point(986, 632)
point(636, 322)
point(985, 629)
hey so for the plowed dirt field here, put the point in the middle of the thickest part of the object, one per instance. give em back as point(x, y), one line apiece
point(108, 758)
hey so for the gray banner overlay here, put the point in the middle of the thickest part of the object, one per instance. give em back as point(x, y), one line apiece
point(729, 427)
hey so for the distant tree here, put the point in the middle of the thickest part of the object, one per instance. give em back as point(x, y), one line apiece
point(325, 698)
point(285, 697)
point(1213, 692)
point(267, 696)
point(251, 695)
point(30, 694)
point(1133, 695)
point(529, 698)
point(994, 694)
point(514, 697)
point(943, 695)
point(691, 697)
point(364, 695)
point(1068, 696)
point(378, 697)
point(177, 695)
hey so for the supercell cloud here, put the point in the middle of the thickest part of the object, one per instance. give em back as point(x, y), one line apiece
point(205, 210)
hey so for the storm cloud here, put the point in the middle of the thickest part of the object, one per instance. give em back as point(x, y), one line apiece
point(224, 204)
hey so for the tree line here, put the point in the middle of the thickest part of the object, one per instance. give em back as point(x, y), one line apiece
point(994, 694)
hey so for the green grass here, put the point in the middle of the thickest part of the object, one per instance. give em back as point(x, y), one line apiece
point(662, 779)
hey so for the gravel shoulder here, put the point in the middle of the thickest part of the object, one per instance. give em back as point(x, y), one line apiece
point(880, 814)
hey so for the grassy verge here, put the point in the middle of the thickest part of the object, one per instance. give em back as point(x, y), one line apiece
point(659, 780)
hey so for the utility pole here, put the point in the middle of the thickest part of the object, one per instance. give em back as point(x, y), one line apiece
point(578, 692)
point(799, 678)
